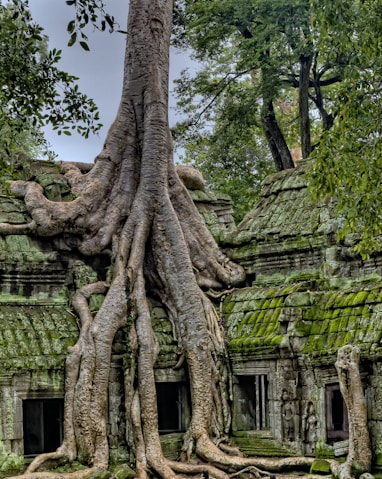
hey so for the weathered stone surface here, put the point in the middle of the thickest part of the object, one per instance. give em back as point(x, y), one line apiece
point(287, 237)
point(34, 336)
point(261, 445)
point(216, 211)
point(306, 296)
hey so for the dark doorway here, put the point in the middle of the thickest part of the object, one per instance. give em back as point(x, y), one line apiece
point(170, 410)
point(251, 403)
point(337, 425)
point(43, 425)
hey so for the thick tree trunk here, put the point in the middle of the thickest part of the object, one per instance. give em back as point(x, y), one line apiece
point(359, 456)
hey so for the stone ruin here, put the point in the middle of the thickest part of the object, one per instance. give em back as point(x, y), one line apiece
point(307, 294)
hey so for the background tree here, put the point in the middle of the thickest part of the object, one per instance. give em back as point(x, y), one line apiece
point(348, 162)
point(265, 57)
point(232, 153)
point(34, 92)
point(309, 76)
point(273, 45)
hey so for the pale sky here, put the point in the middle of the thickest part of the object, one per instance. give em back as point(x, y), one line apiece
point(99, 71)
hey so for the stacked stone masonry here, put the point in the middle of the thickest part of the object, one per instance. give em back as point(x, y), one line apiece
point(307, 295)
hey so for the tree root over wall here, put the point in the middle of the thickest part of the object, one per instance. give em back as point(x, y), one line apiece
point(133, 206)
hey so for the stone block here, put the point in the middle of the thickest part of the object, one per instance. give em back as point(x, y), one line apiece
point(341, 448)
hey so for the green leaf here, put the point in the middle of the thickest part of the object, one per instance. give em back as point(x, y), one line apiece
point(85, 46)
point(34, 91)
point(71, 26)
point(73, 39)
point(110, 20)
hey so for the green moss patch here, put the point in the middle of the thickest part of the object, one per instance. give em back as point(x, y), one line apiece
point(262, 319)
point(35, 336)
point(320, 466)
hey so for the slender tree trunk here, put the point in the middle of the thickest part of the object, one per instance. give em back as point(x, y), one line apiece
point(276, 141)
point(275, 137)
point(305, 66)
point(326, 118)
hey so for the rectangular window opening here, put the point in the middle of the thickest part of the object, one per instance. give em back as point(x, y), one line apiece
point(337, 424)
point(170, 406)
point(43, 425)
point(252, 409)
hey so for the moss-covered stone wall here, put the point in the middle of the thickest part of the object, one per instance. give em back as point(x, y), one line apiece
point(306, 295)
point(38, 277)
point(305, 319)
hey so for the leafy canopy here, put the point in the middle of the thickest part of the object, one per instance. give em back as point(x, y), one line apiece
point(252, 56)
point(348, 162)
point(34, 91)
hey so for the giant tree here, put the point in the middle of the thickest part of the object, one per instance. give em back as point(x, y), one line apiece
point(133, 207)
point(133, 204)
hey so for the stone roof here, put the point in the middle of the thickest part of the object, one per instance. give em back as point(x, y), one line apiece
point(34, 335)
point(285, 231)
point(287, 237)
point(283, 211)
point(302, 319)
